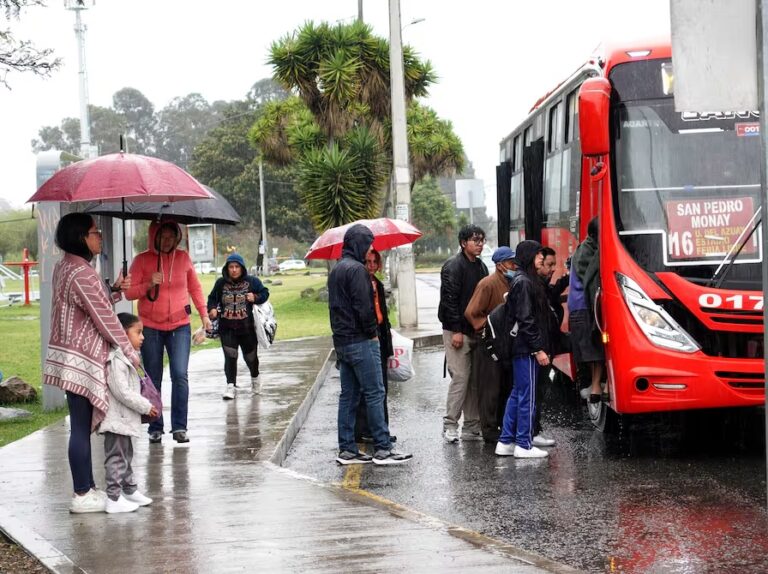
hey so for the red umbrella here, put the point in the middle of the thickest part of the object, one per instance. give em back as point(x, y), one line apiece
point(387, 233)
point(121, 176)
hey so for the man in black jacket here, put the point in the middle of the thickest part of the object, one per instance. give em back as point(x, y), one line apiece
point(355, 338)
point(527, 307)
point(458, 279)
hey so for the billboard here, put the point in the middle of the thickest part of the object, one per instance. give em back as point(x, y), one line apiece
point(201, 245)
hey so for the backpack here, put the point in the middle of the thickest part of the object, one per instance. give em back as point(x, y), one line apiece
point(497, 338)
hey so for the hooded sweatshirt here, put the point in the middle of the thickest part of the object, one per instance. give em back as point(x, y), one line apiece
point(228, 296)
point(527, 304)
point(171, 308)
point(350, 295)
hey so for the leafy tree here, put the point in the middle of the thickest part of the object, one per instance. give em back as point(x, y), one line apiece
point(434, 148)
point(181, 125)
point(17, 230)
point(227, 162)
point(434, 215)
point(22, 55)
point(138, 116)
point(266, 90)
point(337, 127)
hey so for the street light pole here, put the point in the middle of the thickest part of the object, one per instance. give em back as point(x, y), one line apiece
point(406, 277)
point(77, 6)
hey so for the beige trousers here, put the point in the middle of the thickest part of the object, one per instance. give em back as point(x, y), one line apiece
point(462, 391)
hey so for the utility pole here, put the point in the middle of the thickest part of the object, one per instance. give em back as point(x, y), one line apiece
point(77, 6)
point(265, 261)
point(359, 10)
point(406, 277)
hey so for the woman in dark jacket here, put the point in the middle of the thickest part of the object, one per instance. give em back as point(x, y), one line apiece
point(527, 310)
point(373, 265)
point(231, 301)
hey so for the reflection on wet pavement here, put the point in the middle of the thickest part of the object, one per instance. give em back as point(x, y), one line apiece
point(672, 493)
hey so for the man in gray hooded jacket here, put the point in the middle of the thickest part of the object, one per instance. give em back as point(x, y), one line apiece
point(355, 338)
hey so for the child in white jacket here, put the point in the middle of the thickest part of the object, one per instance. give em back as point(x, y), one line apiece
point(123, 421)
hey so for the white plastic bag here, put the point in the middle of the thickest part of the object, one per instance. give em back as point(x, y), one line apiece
point(266, 324)
point(400, 364)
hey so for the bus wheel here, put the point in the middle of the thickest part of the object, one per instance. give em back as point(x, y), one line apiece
point(603, 417)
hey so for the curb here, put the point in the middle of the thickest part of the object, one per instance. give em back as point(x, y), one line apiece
point(284, 444)
point(37, 546)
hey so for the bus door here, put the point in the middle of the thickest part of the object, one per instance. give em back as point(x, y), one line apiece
point(503, 201)
point(533, 188)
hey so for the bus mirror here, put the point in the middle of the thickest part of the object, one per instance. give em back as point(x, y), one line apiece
point(594, 107)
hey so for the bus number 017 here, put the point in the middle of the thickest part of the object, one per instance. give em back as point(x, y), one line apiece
point(715, 301)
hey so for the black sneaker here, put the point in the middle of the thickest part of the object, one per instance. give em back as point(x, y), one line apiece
point(180, 436)
point(155, 437)
point(347, 457)
point(391, 457)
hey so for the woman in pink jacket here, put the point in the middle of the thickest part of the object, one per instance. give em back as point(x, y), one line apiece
point(163, 279)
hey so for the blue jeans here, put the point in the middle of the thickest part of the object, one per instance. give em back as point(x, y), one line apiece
point(177, 343)
point(360, 373)
point(521, 406)
point(80, 413)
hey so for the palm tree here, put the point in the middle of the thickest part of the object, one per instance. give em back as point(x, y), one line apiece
point(336, 128)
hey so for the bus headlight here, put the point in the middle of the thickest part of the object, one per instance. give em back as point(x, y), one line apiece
point(660, 328)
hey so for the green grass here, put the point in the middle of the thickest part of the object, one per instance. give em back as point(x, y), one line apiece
point(20, 349)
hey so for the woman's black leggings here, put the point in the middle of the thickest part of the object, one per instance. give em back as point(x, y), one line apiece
point(245, 340)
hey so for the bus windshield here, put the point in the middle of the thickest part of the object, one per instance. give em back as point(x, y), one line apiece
point(687, 186)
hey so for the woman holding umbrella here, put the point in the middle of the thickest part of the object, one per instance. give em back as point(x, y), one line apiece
point(84, 327)
point(163, 279)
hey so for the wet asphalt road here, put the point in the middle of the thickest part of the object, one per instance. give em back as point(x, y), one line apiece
point(670, 494)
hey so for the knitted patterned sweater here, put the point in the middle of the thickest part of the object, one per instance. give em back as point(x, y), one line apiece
point(83, 329)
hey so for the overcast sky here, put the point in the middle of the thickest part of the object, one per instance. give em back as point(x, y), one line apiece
point(494, 59)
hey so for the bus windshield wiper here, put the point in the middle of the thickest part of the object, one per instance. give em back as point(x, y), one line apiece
point(730, 258)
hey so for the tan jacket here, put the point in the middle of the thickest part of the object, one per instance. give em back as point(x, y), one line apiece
point(488, 294)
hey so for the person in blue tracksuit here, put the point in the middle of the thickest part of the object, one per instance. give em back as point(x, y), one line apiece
point(527, 308)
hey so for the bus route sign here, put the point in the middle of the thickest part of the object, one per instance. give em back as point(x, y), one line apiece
point(707, 228)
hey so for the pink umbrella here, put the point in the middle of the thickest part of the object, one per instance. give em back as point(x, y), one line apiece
point(387, 233)
point(121, 176)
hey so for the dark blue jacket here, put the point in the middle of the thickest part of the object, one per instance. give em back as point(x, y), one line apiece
point(350, 295)
point(255, 286)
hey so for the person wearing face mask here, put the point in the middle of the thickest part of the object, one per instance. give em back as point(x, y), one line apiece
point(527, 306)
point(494, 382)
point(163, 280)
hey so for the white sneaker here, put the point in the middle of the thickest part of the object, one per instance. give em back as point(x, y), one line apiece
point(138, 498)
point(532, 452)
point(471, 436)
point(451, 435)
point(503, 449)
point(229, 393)
point(256, 385)
point(100, 493)
point(541, 440)
point(89, 502)
point(120, 505)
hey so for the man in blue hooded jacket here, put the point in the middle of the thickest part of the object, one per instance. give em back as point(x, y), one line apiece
point(355, 338)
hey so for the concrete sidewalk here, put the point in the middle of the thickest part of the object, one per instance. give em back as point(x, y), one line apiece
point(222, 504)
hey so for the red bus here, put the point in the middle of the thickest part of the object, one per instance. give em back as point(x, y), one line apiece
point(678, 200)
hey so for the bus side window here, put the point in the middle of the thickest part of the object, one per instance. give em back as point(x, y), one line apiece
point(570, 117)
point(554, 162)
